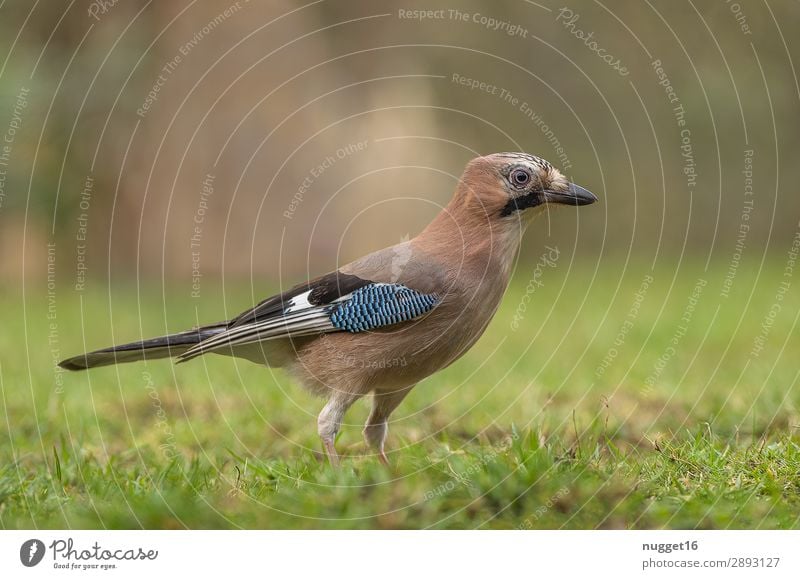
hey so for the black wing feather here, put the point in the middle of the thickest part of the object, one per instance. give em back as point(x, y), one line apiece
point(324, 290)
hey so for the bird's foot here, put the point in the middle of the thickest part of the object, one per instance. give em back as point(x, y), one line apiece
point(382, 458)
point(330, 450)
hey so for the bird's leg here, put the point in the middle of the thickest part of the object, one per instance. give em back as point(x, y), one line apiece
point(383, 404)
point(330, 420)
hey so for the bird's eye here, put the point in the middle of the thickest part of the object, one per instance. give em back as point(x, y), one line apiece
point(519, 177)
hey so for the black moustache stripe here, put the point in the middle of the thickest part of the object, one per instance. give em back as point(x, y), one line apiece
point(520, 203)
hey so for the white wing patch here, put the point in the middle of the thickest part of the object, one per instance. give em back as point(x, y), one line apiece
point(299, 302)
point(302, 318)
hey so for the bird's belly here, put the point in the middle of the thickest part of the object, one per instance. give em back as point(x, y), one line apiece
point(386, 360)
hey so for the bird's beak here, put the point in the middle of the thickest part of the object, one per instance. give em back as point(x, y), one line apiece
point(574, 195)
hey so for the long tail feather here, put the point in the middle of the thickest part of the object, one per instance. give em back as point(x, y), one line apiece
point(161, 347)
point(299, 324)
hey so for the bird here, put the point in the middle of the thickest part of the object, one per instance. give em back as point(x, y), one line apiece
point(382, 323)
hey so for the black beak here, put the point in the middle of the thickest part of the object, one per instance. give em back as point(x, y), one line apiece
point(574, 195)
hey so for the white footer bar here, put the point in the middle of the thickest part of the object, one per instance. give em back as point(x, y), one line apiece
point(388, 554)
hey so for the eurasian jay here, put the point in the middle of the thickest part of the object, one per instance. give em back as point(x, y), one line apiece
point(386, 321)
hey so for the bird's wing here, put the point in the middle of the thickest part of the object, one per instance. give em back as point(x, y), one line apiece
point(333, 303)
point(320, 291)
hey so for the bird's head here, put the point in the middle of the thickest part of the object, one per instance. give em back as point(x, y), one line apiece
point(509, 185)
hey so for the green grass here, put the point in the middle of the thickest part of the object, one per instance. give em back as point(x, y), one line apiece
point(530, 429)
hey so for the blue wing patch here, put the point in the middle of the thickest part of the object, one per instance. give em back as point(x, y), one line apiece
point(377, 305)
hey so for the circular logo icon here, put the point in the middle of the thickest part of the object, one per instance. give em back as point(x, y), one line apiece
point(31, 552)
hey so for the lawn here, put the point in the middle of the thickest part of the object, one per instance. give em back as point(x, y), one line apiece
point(657, 401)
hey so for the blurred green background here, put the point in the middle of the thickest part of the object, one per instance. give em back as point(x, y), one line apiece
point(169, 163)
point(257, 95)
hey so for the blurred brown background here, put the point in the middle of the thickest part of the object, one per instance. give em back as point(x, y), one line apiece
point(276, 139)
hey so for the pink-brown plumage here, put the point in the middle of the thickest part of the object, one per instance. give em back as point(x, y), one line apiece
point(463, 257)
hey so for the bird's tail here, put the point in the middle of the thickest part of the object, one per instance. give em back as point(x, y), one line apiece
point(162, 347)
